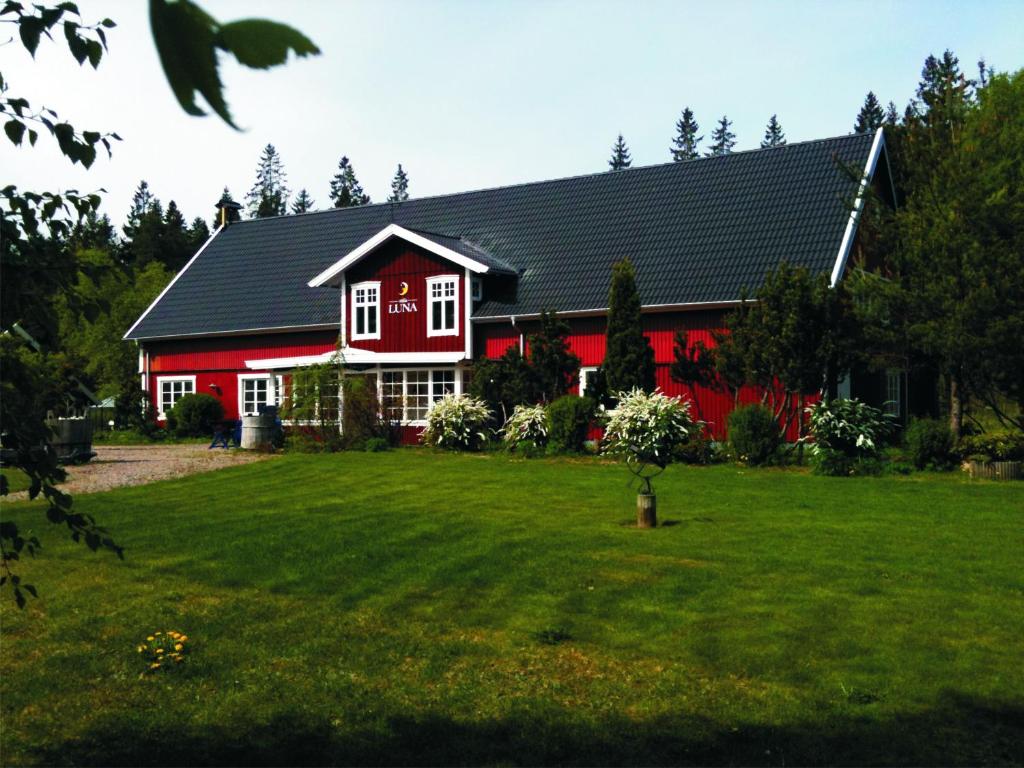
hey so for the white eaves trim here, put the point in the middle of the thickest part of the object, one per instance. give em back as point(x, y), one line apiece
point(858, 205)
point(354, 356)
point(330, 275)
point(171, 284)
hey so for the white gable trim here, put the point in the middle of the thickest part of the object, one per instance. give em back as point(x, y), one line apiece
point(330, 276)
point(355, 356)
point(171, 284)
point(851, 225)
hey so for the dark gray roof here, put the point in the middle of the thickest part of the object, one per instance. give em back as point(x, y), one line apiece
point(468, 249)
point(697, 231)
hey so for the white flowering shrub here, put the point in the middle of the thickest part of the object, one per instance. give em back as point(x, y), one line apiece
point(645, 429)
point(457, 423)
point(847, 435)
point(528, 423)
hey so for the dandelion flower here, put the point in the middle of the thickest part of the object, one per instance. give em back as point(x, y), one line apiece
point(150, 638)
point(178, 646)
point(159, 650)
point(155, 665)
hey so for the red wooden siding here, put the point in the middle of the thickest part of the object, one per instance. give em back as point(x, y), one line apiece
point(231, 352)
point(392, 264)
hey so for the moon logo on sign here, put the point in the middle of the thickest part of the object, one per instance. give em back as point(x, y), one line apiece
point(403, 289)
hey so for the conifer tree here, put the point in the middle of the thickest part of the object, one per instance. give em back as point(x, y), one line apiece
point(684, 145)
point(303, 203)
point(629, 359)
point(399, 186)
point(346, 191)
point(269, 195)
point(871, 116)
point(198, 234)
point(892, 115)
point(774, 136)
point(174, 249)
point(141, 201)
point(620, 155)
point(722, 139)
point(555, 367)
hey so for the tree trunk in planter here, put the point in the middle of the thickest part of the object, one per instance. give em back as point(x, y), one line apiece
point(646, 510)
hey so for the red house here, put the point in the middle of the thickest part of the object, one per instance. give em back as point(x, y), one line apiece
point(413, 292)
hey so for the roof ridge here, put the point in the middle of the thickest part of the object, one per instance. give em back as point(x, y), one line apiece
point(593, 174)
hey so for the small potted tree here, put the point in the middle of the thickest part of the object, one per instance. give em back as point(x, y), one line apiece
point(645, 429)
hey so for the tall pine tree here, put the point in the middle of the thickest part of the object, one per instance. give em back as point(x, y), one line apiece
point(269, 195)
point(620, 155)
point(871, 116)
point(141, 202)
point(555, 367)
point(346, 191)
point(303, 203)
point(774, 136)
point(629, 359)
point(684, 145)
point(399, 186)
point(722, 139)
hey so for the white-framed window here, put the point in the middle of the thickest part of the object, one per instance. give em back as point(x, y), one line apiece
point(893, 392)
point(585, 378)
point(366, 310)
point(443, 305)
point(258, 389)
point(408, 394)
point(169, 389)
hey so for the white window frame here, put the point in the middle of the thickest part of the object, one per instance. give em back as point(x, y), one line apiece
point(893, 405)
point(456, 388)
point(356, 305)
point(275, 380)
point(431, 300)
point(585, 372)
point(161, 411)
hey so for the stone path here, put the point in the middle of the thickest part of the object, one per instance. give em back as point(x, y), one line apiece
point(119, 465)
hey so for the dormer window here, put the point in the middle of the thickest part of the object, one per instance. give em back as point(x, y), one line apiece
point(366, 311)
point(443, 305)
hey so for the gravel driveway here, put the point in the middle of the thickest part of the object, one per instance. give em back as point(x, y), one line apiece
point(119, 465)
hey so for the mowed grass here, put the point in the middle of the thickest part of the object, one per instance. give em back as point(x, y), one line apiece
point(417, 608)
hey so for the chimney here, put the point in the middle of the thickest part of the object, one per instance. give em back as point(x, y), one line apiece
point(228, 209)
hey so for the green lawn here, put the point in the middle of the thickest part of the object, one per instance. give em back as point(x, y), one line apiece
point(418, 608)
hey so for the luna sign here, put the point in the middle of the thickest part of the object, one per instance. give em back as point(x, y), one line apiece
point(403, 303)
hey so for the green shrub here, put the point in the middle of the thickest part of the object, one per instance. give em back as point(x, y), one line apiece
point(528, 425)
point(457, 423)
point(195, 416)
point(848, 437)
point(377, 445)
point(753, 435)
point(698, 450)
point(361, 418)
point(528, 449)
point(994, 446)
point(569, 418)
point(929, 443)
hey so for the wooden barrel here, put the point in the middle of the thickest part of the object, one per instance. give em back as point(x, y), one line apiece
point(646, 510)
point(258, 431)
point(72, 438)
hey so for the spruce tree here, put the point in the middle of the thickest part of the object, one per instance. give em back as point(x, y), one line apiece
point(684, 145)
point(722, 139)
point(141, 201)
point(399, 186)
point(175, 246)
point(269, 195)
point(198, 234)
point(870, 117)
point(346, 190)
point(629, 359)
point(892, 115)
point(774, 136)
point(303, 203)
point(555, 367)
point(620, 155)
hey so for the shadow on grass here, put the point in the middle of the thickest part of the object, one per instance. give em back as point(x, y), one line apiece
point(957, 731)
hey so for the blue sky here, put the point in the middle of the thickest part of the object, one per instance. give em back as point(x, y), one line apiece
point(477, 94)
